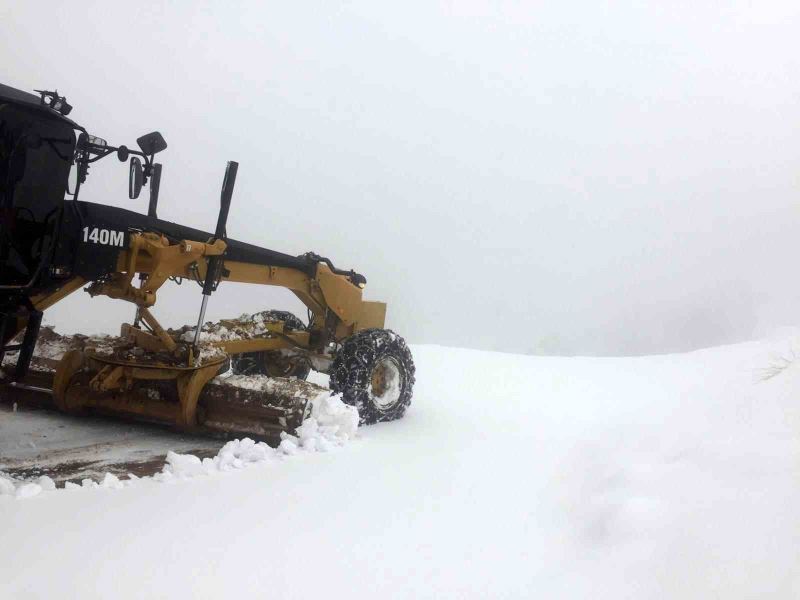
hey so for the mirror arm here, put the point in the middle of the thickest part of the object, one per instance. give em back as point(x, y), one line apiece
point(133, 152)
point(149, 168)
point(151, 171)
point(111, 149)
point(99, 156)
point(155, 185)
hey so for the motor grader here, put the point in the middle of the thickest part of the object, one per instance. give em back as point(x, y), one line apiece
point(52, 244)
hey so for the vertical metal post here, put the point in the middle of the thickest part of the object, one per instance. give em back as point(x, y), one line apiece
point(200, 320)
point(155, 186)
point(215, 262)
point(152, 211)
point(28, 343)
point(3, 318)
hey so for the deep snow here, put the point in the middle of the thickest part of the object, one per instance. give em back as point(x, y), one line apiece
point(510, 477)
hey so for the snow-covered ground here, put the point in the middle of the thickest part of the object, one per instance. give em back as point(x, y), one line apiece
point(510, 477)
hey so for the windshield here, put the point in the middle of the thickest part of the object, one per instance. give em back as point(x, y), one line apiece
point(35, 158)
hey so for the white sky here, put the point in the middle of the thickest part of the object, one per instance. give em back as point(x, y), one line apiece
point(572, 177)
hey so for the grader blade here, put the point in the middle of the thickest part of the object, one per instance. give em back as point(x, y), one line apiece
point(81, 380)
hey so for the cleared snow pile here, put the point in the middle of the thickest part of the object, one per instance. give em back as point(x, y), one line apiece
point(331, 424)
point(25, 489)
point(109, 482)
point(7, 487)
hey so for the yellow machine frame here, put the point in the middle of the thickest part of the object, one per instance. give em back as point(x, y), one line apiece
point(336, 305)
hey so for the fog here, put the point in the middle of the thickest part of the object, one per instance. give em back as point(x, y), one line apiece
point(565, 177)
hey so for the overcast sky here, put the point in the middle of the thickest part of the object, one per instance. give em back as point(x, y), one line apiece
point(564, 177)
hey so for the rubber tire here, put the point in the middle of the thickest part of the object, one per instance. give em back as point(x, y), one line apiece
point(351, 373)
point(257, 363)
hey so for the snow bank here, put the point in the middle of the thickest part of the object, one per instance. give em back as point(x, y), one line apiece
point(331, 424)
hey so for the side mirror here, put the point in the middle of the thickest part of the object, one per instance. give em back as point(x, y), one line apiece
point(152, 143)
point(123, 153)
point(135, 178)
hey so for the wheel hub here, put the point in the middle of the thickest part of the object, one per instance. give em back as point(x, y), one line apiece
point(386, 383)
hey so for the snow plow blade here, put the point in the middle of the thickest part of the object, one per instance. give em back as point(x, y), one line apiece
point(191, 399)
point(262, 412)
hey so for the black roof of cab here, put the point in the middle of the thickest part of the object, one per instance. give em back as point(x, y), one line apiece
point(28, 100)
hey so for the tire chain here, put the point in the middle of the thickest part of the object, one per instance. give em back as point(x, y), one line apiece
point(351, 372)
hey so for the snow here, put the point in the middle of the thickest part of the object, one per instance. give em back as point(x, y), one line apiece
point(673, 476)
point(51, 346)
point(245, 327)
point(6, 486)
point(330, 425)
point(267, 384)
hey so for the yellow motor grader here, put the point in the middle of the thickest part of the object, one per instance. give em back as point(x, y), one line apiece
point(53, 244)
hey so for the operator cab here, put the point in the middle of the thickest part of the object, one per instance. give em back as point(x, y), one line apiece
point(37, 146)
